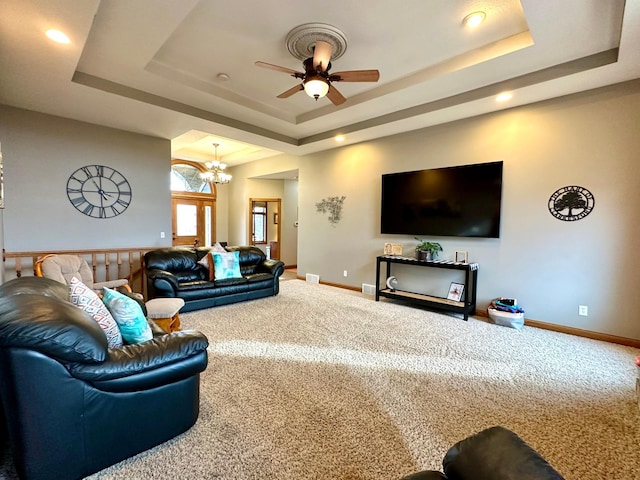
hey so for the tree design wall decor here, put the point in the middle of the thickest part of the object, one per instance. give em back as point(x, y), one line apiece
point(571, 203)
point(332, 206)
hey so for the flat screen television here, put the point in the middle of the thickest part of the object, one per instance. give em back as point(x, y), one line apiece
point(462, 201)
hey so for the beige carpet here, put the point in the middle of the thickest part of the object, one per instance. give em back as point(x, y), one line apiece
point(324, 383)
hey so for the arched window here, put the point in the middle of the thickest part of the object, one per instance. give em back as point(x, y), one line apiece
point(185, 177)
point(193, 201)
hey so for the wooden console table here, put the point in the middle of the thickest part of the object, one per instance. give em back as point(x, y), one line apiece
point(466, 306)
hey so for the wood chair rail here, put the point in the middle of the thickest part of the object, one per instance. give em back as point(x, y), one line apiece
point(105, 263)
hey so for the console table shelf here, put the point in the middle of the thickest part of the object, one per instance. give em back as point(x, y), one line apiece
point(466, 306)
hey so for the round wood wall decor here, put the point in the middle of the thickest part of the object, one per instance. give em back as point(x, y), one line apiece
point(571, 203)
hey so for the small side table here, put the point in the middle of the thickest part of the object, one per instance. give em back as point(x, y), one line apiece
point(164, 311)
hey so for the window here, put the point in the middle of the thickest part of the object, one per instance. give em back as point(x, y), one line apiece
point(186, 178)
point(259, 219)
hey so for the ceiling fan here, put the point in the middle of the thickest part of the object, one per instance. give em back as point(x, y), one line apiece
point(317, 80)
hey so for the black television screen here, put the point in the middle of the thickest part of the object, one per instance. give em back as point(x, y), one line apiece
point(461, 201)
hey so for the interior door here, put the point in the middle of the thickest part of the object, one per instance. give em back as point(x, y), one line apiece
point(264, 223)
point(193, 221)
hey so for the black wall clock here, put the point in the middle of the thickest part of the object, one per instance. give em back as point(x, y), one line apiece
point(99, 191)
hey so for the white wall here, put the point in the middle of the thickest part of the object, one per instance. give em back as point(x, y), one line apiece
point(288, 230)
point(245, 185)
point(588, 139)
point(551, 267)
point(222, 213)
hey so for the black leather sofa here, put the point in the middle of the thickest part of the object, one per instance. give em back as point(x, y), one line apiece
point(492, 454)
point(73, 406)
point(177, 273)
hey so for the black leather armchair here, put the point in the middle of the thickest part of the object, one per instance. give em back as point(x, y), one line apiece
point(492, 454)
point(74, 406)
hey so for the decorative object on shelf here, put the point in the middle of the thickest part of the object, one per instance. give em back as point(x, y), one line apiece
point(216, 173)
point(393, 249)
point(99, 191)
point(571, 203)
point(426, 251)
point(455, 291)
point(332, 206)
point(434, 300)
point(462, 257)
point(392, 283)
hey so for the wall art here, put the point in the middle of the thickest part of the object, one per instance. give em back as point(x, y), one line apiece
point(571, 203)
point(332, 206)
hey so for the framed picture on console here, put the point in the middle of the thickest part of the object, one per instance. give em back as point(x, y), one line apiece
point(455, 291)
point(393, 249)
point(462, 257)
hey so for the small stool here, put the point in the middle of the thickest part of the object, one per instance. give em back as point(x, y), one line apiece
point(164, 311)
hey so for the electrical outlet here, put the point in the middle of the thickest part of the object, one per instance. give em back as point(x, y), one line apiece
point(161, 234)
point(344, 274)
point(583, 310)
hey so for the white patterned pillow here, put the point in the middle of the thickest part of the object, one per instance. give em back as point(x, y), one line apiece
point(85, 298)
point(218, 248)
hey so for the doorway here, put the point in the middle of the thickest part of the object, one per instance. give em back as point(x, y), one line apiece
point(264, 225)
point(193, 205)
point(193, 221)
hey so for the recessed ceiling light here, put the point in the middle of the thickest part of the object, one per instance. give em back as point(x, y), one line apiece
point(57, 36)
point(223, 77)
point(339, 138)
point(504, 96)
point(474, 19)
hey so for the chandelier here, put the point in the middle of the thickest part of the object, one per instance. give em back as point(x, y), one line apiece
point(216, 173)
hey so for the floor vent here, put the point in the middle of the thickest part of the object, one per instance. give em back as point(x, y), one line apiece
point(368, 289)
point(312, 278)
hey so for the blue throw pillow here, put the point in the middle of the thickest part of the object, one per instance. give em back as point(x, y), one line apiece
point(227, 265)
point(128, 315)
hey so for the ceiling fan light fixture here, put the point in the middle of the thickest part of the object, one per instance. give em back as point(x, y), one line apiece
point(316, 87)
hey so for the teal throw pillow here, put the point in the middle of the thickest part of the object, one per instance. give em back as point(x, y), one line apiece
point(227, 265)
point(133, 325)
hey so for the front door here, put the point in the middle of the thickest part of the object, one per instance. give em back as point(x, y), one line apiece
point(193, 221)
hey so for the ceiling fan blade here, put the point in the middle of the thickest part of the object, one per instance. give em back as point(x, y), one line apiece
point(278, 68)
point(291, 91)
point(322, 55)
point(335, 96)
point(355, 76)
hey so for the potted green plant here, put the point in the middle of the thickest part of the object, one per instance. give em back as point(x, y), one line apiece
point(427, 250)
